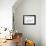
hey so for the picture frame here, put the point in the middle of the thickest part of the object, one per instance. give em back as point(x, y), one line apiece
point(29, 19)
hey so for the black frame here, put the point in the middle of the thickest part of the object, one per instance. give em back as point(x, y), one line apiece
point(30, 23)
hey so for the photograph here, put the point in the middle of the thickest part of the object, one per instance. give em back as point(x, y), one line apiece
point(22, 22)
point(29, 19)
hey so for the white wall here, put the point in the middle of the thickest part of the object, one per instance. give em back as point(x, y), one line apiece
point(43, 22)
point(6, 13)
point(36, 32)
point(28, 7)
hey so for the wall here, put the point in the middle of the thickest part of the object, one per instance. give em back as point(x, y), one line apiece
point(43, 22)
point(28, 7)
point(6, 13)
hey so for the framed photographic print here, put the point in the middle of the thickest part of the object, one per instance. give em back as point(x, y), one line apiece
point(29, 19)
